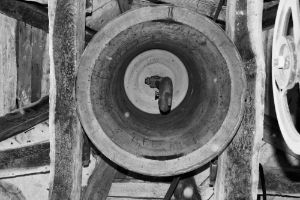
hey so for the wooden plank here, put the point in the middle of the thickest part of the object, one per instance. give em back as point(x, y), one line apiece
point(24, 57)
point(66, 46)
point(238, 165)
point(100, 182)
point(45, 85)
point(21, 120)
point(29, 13)
point(8, 67)
point(152, 190)
point(38, 44)
point(32, 156)
point(206, 7)
point(32, 14)
point(139, 190)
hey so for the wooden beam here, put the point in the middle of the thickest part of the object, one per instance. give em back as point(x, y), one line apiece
point(205, 7)
point(66, 36)
point(8, 66)
point(24, 159)
point(238, 174)
point(29, 13)
point(32, 14)
point(100, 182)
point(23, 119)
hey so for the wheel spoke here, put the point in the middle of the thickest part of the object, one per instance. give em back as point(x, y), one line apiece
point(286, 70)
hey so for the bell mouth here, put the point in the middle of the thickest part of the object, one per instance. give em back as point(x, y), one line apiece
point(204, 93)
point(141, 80)
point(192, 133)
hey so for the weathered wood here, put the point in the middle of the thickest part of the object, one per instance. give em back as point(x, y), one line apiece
point(38, 48)
point(26, 157)
point(8, 67)
point(22, 119)
point(30, 43)
point(206, 7)
point(29, 13)
point(100, 182)
point(238, 165)
point(139, 190)
point(66, 46)
point(45, 85)
point(149, 190)
point(24, 57)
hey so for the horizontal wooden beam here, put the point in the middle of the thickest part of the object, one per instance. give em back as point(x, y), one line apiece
point(32, 14)
point(25, 160)
point(23, 119)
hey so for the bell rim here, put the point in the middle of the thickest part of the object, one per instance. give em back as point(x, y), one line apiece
point(187, 162)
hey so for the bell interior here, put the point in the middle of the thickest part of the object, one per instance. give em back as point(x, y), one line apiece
point(186, 128)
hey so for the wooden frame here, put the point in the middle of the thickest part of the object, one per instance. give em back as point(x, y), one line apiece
point(238, 165)
point(66, 30)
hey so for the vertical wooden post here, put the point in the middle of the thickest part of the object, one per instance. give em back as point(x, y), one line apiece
point(8, 66)
point(238, 165)
point(66, 32)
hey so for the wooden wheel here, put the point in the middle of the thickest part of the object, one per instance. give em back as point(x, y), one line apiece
point(198, 129)
point(286, 71)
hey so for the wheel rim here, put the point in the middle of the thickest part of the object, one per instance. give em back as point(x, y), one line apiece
point(185, 162)
point(286, 70)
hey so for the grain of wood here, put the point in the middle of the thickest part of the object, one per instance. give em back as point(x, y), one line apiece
point(32, 159)
point(66, 30)
point(238, 165)
point(24, 58)
point(8, 67)
point(153, 190)
point(38, 48)
point(100, 182)
point(206, 7)
point(45, 85)
point(23, 119)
